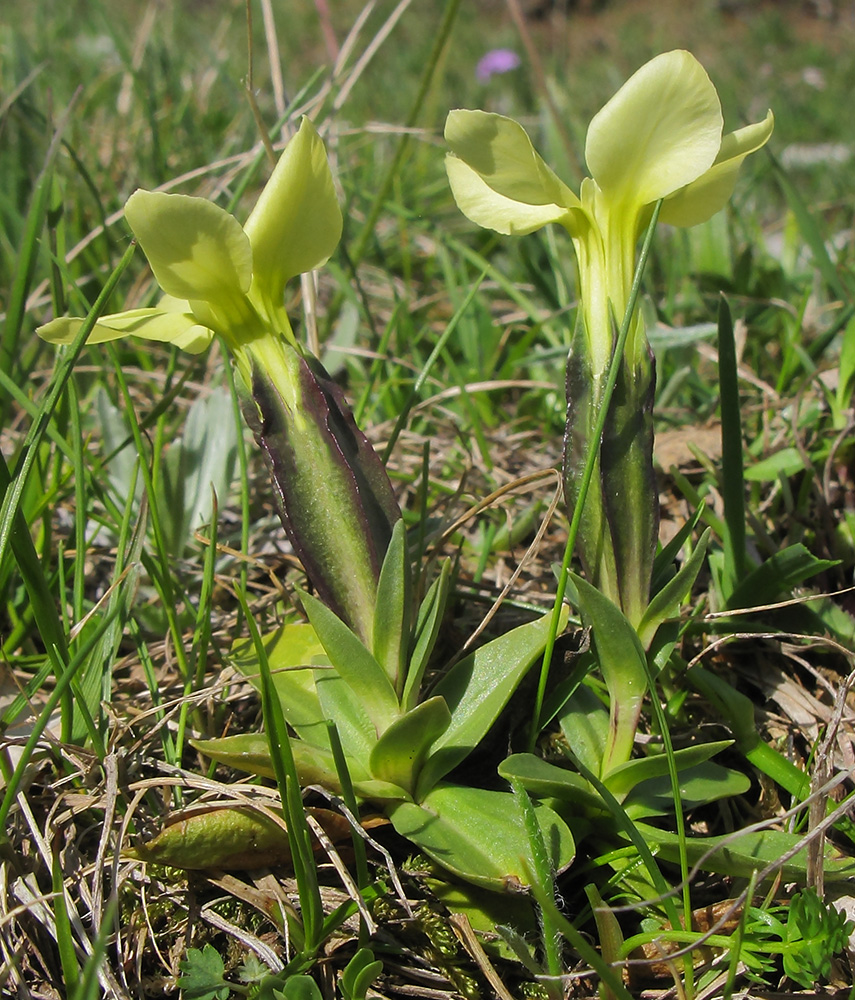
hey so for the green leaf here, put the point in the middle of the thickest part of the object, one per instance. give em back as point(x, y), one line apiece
point(359, 973)
point(786, 462)
point(663, 568)
point(355, 665)
point(815, 933)
point(742, 854)
point(667, 602)
point(816, 239)
point(625, 777)
point(846, 374)
point(476, 689)
point(340, 703)
point(584, 725)
point(250, 752)
point(316, 766)
point(699, 785)
point(733, 480)
point(391, 635)
point(622, 661)
point(334, 495)
point(301, 988)
point(429, 620)
point(289, 648)
point(398, 755)
point(479, 835)
point(201, 461)
point(202, 975)
point(549, 781)
point(777, 577)
point(218, 837)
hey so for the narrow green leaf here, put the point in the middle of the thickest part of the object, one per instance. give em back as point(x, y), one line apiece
point(348, 795)
point(811, 233)
point(663, 569)
point(355, 665)
point(288, 782)
point(96, 677)
point(609, 975)
point(777, 576)
point(28, 254)
point(29, 452)
point(428, 624)
point(733, 482)
point(398, 755)
point(65, 674)
point(64, 937)
point(609, 933)
point(666, 603)
point(393, 171)
point(391, 635)
point(621, 658)
point(476, 689)
point(542, 874)
point(39, 591)
point(87, 986)
point(846, 374)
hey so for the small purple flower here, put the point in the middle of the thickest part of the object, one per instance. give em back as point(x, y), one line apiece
point(496, 61)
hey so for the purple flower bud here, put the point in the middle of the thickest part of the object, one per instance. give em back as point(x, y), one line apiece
point(496, 61)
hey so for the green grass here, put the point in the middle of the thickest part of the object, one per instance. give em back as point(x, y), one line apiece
point(116, 617)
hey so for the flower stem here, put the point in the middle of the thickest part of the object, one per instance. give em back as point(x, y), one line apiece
point(588, 471)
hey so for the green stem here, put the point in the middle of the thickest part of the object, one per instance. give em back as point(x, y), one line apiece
point(733, 479)
point(590, 462)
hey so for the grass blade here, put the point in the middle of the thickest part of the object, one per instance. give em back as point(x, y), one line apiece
point(732, 469)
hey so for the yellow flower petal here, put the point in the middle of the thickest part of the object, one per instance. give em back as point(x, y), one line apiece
point(163, 324)
point(660, 131)
point(500, 152)
point(711, 191)
point(486, 207)
point(196, 250)
point(296, 223)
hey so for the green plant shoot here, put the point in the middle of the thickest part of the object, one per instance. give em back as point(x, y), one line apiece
point(221, 278)
point(659, 137)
